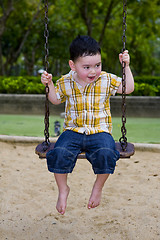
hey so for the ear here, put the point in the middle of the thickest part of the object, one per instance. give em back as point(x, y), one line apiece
point(72, 65)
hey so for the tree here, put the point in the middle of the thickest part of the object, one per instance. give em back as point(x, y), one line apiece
point(6, 11)
point(90, 9)
point(143, 32)
point(16, 29)
point(22, 30)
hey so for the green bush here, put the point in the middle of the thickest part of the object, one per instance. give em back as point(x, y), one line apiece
point(144, 85)
point(22, 85)
point(144, 89)
point(151, 80)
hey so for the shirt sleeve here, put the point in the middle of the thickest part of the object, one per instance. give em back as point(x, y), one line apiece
point(59, 92)
point(114, 84)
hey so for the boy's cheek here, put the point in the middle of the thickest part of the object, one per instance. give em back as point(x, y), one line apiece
point(99, 72)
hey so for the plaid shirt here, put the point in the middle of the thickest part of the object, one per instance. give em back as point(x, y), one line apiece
point(87, 110)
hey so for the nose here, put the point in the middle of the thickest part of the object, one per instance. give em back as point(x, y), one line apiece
point(92, 71)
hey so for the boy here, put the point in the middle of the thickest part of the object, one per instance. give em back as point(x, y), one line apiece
point(87, 125)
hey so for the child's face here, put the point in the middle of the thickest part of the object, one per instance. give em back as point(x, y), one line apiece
point(88, 68)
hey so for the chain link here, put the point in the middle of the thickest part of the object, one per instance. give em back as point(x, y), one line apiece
point(123, 139)
point(46, 46)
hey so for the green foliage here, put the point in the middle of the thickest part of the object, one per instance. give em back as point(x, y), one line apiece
point(144, 89)
point(20, 40)
point(22, 35)
point(22, 85)
point(144, 85)
point(154, 80)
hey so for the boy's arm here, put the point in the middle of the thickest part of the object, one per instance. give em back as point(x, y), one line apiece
point(47, 79)
point(129, 77)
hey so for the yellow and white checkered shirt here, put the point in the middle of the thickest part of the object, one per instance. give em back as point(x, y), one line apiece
point(87, 110)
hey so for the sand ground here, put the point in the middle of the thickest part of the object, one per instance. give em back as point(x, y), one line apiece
point(129, 210)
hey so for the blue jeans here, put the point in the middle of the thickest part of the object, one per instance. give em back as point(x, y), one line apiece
point(99, 148)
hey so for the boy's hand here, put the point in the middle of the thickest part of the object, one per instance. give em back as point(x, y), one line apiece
point(46, 78)
point(124, 57)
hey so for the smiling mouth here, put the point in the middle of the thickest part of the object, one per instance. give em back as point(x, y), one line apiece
point(92, 78)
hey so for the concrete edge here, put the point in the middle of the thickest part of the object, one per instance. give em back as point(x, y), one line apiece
point(24, 139)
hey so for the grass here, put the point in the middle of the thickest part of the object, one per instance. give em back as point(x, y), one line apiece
point(139, 130)
point(142, 130)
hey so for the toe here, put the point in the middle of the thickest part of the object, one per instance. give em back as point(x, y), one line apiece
point(90, 205)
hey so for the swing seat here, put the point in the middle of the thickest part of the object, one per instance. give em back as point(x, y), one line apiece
point(128, 152)
point(42, 149)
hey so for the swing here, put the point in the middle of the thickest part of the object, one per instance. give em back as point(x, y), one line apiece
point(125, 149)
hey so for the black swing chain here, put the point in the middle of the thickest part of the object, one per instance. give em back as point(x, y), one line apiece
point(46, 46)
point(123, 139)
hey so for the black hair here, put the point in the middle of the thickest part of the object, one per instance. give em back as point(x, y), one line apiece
point(83, 46)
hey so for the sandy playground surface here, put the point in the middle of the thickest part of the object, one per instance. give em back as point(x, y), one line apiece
point(129, 210)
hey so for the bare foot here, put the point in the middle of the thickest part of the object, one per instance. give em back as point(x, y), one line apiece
point(95, 198)
point(62, 201)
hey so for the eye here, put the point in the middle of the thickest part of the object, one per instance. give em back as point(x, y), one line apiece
point(86, 67)
point(98, 65)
